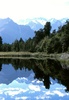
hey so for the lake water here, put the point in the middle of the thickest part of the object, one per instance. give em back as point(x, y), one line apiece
point(31, 79)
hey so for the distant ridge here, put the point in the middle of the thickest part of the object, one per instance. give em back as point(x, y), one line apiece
point(37, 23)
point(10, 31)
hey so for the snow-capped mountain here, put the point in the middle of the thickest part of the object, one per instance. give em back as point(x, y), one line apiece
point(63, 20)
point(37, 23)
point(34, 20)
point(34, 23)
point(10, 31)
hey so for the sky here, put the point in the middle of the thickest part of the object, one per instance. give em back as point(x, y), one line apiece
point(23, 9)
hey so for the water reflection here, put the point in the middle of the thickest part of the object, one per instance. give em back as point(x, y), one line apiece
point(22, 79)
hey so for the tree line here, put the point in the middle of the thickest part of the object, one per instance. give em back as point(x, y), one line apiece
point(43, 41)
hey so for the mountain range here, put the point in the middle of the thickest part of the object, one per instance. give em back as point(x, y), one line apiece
point(10, 30)
point(37, 23)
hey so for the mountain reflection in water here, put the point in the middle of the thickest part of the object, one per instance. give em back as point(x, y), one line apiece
point(32, 79)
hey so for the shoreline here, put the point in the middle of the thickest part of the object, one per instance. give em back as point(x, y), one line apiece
point(64, 56)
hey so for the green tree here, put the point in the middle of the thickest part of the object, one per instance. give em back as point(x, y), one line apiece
point(30, 45)
point(64, 42)
point(63, 31)
point(0, 43)
point(39, 35)
point(21, 45)
point(15, 46)
point(54, 45)
point(47, 28)
point(6, 47)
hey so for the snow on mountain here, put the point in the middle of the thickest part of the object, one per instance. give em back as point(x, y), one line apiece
point(34, 20)
point(63, 20)
point(52, 20)
point(37, 23)
point(40, 20)
point(9, 30)
point(34, 23)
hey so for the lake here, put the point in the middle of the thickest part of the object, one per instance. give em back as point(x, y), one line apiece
point(34, 79)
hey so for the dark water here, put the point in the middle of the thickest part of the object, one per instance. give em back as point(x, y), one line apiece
point(22, 79)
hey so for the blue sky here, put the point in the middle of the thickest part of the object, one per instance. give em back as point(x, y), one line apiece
point(22, 9)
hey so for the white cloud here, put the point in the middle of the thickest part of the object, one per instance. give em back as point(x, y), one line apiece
point(59, 93)
point(61, 88)
point(42, 97)
point(29, 90)
point(1, 92)
point(56, 92)
point(34, 87)
point(49, 93)
point(21, 98)
point(13, 91)
point(36, 81)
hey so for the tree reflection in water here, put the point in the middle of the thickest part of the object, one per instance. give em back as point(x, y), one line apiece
point(43, 69)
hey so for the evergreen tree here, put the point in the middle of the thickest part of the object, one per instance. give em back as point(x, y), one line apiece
point(15, 46)
point(47, 29)
point(0, 43)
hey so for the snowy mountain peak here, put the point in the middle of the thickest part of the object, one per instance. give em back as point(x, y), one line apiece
point(52, 20)
point(63, 20)
point(37, 23)
point(34, 20)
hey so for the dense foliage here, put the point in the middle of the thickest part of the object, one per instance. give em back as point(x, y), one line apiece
point(43, 41)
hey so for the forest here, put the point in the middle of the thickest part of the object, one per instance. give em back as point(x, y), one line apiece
point(44, 40)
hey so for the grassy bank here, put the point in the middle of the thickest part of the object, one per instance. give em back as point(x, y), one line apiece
point(62, 56)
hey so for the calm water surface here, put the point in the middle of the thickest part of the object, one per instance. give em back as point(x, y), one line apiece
point(31, 79)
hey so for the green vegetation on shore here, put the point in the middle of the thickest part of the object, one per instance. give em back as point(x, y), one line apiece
point(44, 41)
point(35, 55)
